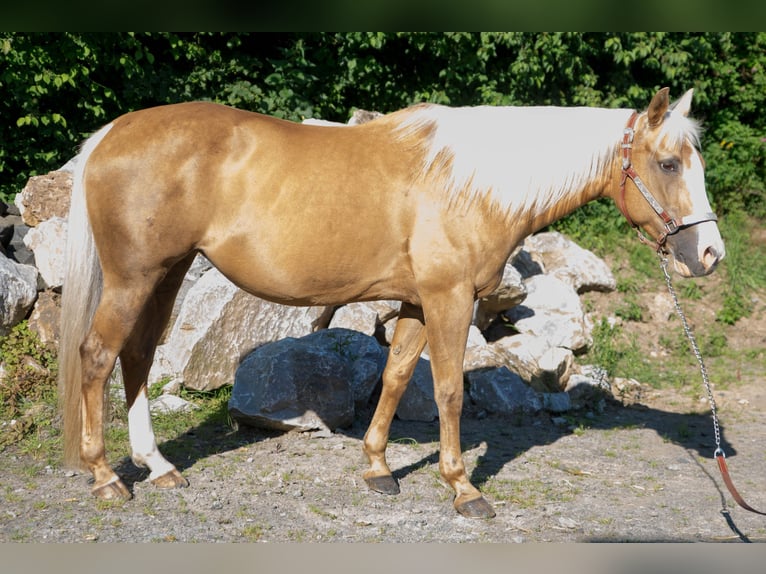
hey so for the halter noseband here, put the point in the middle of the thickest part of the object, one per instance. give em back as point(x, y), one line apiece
point(671, 224)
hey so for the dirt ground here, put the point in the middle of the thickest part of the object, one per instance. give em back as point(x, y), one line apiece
point(637, 472)
point(640, 470)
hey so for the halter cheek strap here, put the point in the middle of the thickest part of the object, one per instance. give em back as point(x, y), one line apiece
point(671, 225)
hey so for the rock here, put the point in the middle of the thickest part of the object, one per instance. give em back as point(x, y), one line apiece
point(356, 359)
point(555, 368)
point(385, 309)
point(479, 354)
point(16, 249)
point(18, 291)
point(363, 116)
point(364, 355)
point(480, 357)
point(217, 325)
point(293, 384)
point(502, 392)
point(526, 265)
point(417, 403)
point(662, 307)
point(556, 402)
point(588, 388)
point(508, 294)
point(544, 367)
point(167, 404)
point(358, 117)
point(551, 311)
point(357, 316)
point(198, 268)
point(475, 338)
point(7, 227)
point(44, 197)
point(628, 389)
point(48, 242)
point(562, 258)
point(46, 318)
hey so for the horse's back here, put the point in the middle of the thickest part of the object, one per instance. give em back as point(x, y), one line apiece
point(288, 211)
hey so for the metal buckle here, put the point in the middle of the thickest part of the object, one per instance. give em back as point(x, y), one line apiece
point(672, 227)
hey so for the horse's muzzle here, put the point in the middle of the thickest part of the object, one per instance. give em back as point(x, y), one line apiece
point(697, 250)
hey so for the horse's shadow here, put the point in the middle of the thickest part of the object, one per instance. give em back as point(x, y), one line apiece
point(516, 435)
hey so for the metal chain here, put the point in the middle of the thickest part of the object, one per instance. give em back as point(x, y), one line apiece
point(696, 351)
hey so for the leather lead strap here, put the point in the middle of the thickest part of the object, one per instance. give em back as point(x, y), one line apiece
point(723, 467)
point(718, 454)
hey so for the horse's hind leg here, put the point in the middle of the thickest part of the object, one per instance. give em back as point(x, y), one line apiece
point(407, 344)
point(121, 304)
point(136, 360)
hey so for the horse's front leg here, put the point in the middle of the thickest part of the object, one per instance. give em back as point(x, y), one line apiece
point(448, 318)
point(407, 344)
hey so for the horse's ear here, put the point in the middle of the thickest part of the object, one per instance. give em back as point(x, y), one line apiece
point(658, 107)
point(683, 105)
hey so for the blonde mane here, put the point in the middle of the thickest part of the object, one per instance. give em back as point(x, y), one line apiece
point(526, 159)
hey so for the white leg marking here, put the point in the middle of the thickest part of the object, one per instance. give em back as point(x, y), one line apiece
point(142, 441)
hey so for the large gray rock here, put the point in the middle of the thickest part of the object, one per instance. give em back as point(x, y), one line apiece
point(562, 258)
point(552, 311)
point(502, 392)
point(545, 368)
point(48, 242)
point(198, 268)
point(217, 325)
point(310, 383)
point(364, 355)
point(18, 291)
point(417, 403)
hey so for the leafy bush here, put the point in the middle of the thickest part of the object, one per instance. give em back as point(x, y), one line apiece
point(57, 87)
point(29, 371)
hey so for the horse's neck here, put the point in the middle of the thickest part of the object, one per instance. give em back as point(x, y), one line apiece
point(534, 164)
point(572, 159)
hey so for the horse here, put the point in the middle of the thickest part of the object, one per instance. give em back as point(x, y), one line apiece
point(423, 205)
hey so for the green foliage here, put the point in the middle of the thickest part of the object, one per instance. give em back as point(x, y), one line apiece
point(610, 352)
point(30, 371)
point(744, 267)
point(630, 310)
point(58, 87)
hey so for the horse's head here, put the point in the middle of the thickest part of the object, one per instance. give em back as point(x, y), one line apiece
point(663, 185)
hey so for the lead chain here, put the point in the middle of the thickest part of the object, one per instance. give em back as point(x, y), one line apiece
point(696, 351)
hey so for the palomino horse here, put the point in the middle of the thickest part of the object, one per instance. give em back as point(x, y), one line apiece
point(423, 205)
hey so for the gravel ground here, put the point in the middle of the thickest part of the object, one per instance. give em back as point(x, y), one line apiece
point(635, 472)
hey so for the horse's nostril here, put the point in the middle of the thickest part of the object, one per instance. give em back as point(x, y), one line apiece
point(710, 257)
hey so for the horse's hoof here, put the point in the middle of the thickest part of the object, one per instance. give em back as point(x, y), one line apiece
point(384, 484)
point(476, 508)
point(115, 490)
point(171, 479)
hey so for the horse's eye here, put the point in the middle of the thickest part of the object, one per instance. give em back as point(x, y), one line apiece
point(670, 166)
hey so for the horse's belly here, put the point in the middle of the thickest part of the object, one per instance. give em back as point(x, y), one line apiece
point(315, 276)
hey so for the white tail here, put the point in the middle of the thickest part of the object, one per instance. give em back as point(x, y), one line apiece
point(80, 296)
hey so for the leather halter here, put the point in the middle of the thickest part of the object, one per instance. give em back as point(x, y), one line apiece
point(671, 224)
